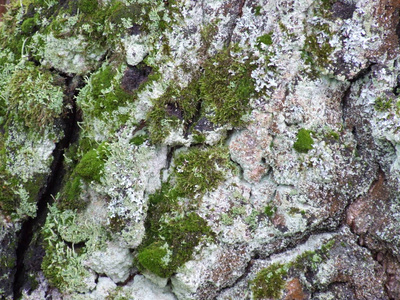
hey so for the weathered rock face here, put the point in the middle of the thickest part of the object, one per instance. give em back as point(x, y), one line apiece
point(200, 149)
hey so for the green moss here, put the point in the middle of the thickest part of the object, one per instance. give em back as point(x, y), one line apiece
point(221, 93)
point(199, 138)
point(18, 196)
point(35, 97)
point(88, 6)
point(138, 139)
point(304, 141)
point(176, 106)
point(265, 39)
point(103, 94)
point(92, 163)
point(88, 169)
point(8, 199)
point(312, 259)
point(71, 195)
point(28, 26)
point(383, 104)
point(316, 52)
point(152, 258)
point(172, 233)
point(269, 211)
point(257, 10)
point(226, 88)
point(317, 49)
point(200, 170)
point(269, 282)
point(333, 135)
point(173, 245)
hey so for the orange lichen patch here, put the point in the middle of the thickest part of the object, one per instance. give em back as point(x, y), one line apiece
point(294, 290)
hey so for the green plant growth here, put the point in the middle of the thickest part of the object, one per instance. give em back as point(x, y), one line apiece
point(269, 282)
point(28, 26)
point(265, 39)
point(383, 104)
point(269, 211)
point(174, 107)
point(34, 96)
point(139, 139)
point(312, 259)
point(221, 93)
point(103, 94)
point(62, 264)
point(89, 168)
point(257, 10)
point(200, 170)
point(92, 164)
point(226, 88)
point(173, 244)
point(317, 48)
point(18, 197)
point(172, 233)
point(304, 141)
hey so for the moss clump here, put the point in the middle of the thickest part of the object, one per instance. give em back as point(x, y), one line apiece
point(139, 139)
point(269, 211)
point(176, 106)
point(9, 201)
point(269, 282)
point(103, 94)
point(312, 259)
point(17, 196)
point(28, 26)
point(383, 104)
point(92, 164)
point(89, 168)
point(173, 245)
point(88, 6)
point(265, 39)
point(304, 141)
point(226, 88)
point(200, 170)
point(35, 98)
point(222, 94)
point(316, 52)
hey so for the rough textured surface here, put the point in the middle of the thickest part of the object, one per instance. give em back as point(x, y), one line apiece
point(245, 149)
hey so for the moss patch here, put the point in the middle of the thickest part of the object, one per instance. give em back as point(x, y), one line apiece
point(226, 88)
point(221, 94)
point(176, 106)
point(317, 49)
point(173, 245)
point(35, 98)
point(269, 282)
point(304, 141)
point(173, 230)
point(88, 169)
point(103, 94)
point(200, 170)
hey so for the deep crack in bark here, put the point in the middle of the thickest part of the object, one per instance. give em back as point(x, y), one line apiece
point(26, 244)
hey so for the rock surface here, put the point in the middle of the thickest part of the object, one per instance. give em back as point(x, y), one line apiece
point(244, 149)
